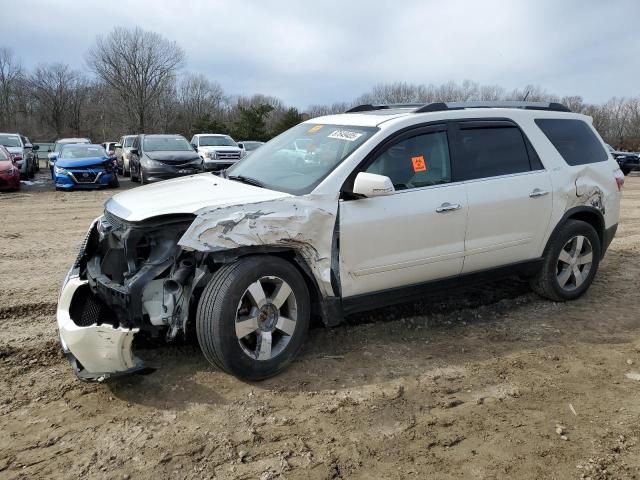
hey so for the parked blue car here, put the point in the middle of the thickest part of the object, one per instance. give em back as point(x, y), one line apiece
point(84, 166)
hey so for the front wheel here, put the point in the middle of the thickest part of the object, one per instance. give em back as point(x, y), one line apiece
point(253, 317)
point(570, 262)
point(143, 180)
point(134, 178)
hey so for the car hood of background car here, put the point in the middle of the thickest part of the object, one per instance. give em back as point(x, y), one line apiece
point(79, 162)
point(14, 149)
point(173, 157)
point(5, 165)
point(185, 195)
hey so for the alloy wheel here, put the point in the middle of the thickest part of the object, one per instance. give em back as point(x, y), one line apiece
point(574, 263)
point(266, 318)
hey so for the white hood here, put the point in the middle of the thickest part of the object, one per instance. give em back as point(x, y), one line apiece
point(185, 195)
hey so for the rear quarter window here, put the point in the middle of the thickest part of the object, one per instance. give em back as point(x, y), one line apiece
point(574, 140)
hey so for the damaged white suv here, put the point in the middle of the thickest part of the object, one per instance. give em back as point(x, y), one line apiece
point(384, 204)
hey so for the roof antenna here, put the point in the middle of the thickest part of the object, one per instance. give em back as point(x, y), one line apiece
point(526, 95)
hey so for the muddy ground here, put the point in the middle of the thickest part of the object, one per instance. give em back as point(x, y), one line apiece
point(491, 382)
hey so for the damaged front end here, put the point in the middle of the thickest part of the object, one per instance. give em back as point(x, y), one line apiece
point(128, 277)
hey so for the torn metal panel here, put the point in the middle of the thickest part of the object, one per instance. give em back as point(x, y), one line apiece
point(304, 224)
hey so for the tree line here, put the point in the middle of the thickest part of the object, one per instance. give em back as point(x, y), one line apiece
point(136, 83)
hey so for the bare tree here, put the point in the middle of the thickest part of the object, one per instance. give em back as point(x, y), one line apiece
point(139, 65)
point(198, 98)
point(11, 74)
point(53, 87)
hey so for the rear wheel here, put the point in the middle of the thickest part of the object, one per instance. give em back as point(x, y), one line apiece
point(626, 171)
point(570, 263)
point(253, 317)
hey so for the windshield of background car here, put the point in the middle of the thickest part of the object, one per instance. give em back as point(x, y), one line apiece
point(128, 141)
point(249, 146)
point(3, 156)
point(212, 141)
point(82, 151)
point(10, 140)
point(297, 160)
point(166, 144)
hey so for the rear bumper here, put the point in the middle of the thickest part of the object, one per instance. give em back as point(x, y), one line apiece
point(96, 352)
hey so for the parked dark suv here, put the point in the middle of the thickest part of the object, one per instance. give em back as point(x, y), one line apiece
point(160, 157)
point(628, 161)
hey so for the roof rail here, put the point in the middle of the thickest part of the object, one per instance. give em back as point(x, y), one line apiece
point(367, 107)
point(444, 106)
point(438, 107)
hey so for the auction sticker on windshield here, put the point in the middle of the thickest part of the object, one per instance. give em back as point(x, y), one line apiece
point(345, 135)
point(315, 129)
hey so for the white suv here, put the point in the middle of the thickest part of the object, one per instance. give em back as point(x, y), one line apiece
point(390, 203)
point(216, 150)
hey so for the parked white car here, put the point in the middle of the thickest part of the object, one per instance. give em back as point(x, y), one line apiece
point(398, 201)
point(248, 146)
point(217, 151)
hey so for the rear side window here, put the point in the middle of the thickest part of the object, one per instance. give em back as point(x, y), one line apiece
point(491, 152)
point(574, 140)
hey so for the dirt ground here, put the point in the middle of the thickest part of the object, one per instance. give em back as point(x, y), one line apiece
point(491, 382)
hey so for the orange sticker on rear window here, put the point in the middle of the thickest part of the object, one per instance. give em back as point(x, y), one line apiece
point(419, 165)
point(314, 129)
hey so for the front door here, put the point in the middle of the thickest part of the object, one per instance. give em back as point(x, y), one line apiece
point(414, 235)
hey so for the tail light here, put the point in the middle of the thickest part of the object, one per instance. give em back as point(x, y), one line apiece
point(619, 176)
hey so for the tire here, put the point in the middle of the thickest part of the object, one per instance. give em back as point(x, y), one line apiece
point(143, 181)
point(557, 266)
point(626, 171)
point(115, 183)
point(227, 295)
point(134, 178)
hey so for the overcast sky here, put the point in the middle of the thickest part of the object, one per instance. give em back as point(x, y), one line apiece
point(324, 51)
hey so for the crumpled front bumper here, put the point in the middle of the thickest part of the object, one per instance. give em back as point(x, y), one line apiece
point(96, 352)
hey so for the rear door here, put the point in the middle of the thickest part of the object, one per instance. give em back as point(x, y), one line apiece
point(508, 190)
point(414, 235)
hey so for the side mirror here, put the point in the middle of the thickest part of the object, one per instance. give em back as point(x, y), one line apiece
point(372, 185)
point(133, 151)
point(194, 146)
point(49, 150)
point(36, 147)
point(52, 155)
point(240, 145)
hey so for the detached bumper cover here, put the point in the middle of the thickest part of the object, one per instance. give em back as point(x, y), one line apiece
point(96, 352)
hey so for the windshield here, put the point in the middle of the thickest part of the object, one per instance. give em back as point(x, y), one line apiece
point(3, 156)
point(248, 146)
point(82, 151)
point(58, 146)
point(10, 140)
point(128, 141)
point(166, 144)
point(282, 164)
point(216, 141)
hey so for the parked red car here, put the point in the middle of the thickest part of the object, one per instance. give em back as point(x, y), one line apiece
point(9, 173)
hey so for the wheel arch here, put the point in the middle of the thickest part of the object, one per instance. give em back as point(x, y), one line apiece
point(587, 214)
point(326, 309)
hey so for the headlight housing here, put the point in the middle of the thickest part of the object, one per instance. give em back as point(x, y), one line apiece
point(212, 155)
point(147, 162)
point(60, 170)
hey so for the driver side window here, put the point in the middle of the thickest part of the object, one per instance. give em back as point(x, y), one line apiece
point(419, 161)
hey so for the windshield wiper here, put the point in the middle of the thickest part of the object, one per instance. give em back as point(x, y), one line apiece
point(247, 180)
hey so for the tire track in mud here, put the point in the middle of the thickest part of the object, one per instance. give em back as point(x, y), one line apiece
point(22, 310)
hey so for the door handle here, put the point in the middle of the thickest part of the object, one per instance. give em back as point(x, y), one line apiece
point(538, 193)
point(448, 207)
